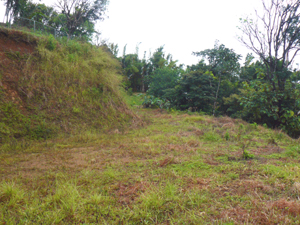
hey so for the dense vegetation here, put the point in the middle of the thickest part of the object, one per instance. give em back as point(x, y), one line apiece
point(219, 85)
point(265, 90)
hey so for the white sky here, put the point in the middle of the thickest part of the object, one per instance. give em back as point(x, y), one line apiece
point(181, 26)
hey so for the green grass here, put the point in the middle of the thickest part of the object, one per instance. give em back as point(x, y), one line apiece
point(170, 170)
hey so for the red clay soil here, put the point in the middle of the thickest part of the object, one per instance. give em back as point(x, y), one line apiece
point(13, 43)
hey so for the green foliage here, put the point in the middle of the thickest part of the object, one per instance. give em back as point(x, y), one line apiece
point(198, 88)
point(72, 18)
point(227, 136)
point(293, 152)
point(51, 45)
point(211, 136)
point(151, 101)
point(233, 106)
point(12, 121)
point(194, 90)
point(132, 67)
point(247, 155)
point(273, 96)
point(142, 74)
point(161, 80)
point(274, 107)
point(224, 65)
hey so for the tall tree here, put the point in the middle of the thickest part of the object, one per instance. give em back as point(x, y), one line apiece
point(13, 8)
point(80, 15)
point(37, 12)
point(132, 67)
point(274, 36)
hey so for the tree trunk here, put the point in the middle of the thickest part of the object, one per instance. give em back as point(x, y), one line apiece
point(216, 99)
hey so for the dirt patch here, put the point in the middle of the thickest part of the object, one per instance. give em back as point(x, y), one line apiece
point(197, 183)
point(15, 47)
point(209, 159)
point(287, 207)
point(259, 214)
point(177, 148)
point(31, 165)
point(16, 41)
point(166, 161)
point(245, 186)
point(225, 120)
point(127, 193)
point(257, 152)
point(268, 150)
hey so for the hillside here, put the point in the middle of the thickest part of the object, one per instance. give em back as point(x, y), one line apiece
point(50, 87)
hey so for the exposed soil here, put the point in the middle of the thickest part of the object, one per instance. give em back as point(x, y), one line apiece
point(13, 51)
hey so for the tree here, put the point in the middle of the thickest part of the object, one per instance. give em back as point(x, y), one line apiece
point(223, 63)
point(195, 89)
point(163, 79)
point(275, 37)
point(38, 12)
point(80, 15)
point(13, 8)
point(132, 67)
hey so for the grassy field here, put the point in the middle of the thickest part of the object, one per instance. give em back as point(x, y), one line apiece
point(174, 168)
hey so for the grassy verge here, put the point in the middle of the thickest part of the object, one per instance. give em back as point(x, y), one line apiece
point(177, 169)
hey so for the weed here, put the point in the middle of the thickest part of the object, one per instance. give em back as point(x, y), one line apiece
point(10, 194)
point(51, 43)
point(151, 101)
point(227, 136)
point(293, 152)
point(211, 136)
point(247, 155)
point(194, 119)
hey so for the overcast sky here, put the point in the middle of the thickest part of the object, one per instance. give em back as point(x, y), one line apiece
point(181, 26)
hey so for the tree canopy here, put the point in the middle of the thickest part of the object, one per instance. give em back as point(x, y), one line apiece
point(79, 16)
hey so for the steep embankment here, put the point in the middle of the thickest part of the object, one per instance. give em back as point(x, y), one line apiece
point(49, 87)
